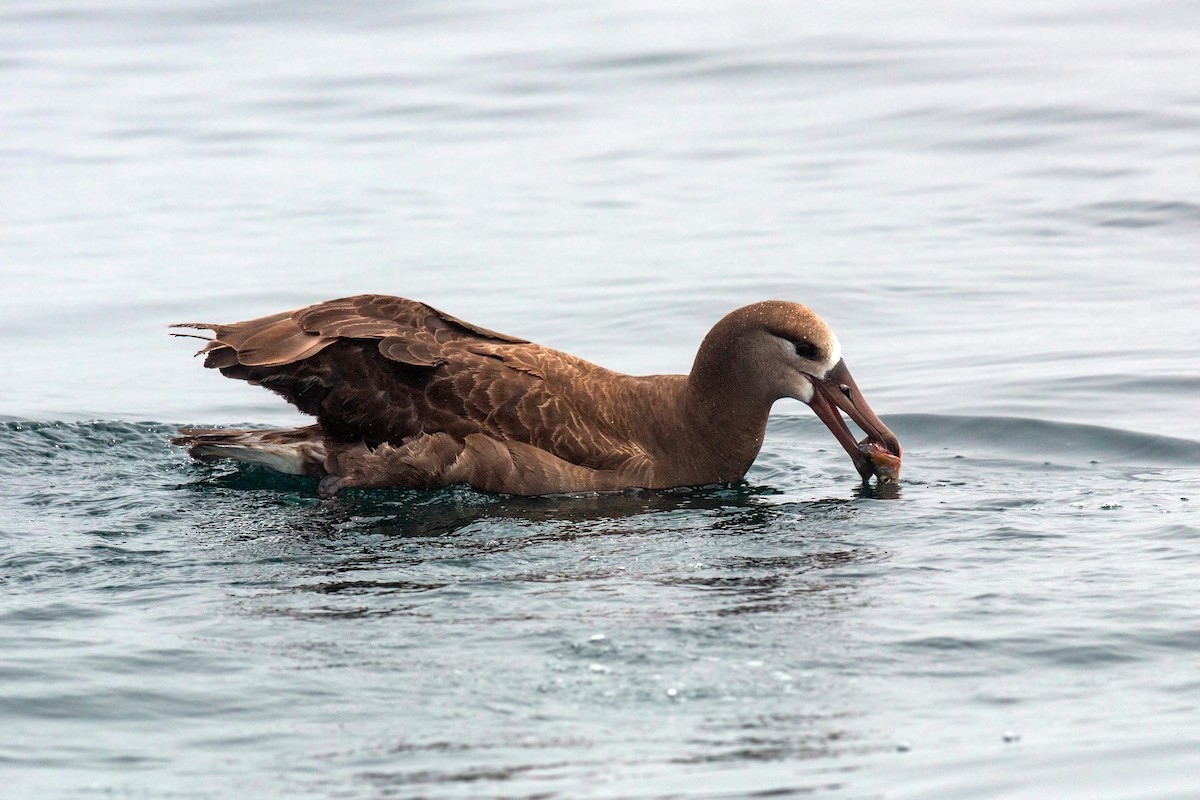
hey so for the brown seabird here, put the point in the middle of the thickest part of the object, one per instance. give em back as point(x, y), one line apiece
point(407, 396)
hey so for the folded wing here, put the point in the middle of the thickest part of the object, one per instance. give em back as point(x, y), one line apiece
point(380, 369)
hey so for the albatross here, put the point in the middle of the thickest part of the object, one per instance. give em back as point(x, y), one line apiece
point(407, 396)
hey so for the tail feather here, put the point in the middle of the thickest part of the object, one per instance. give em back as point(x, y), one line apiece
point(296, 451)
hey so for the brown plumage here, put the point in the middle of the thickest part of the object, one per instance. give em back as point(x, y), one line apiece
point(407, 396)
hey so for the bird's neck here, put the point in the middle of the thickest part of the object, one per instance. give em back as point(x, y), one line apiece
point(726, 425)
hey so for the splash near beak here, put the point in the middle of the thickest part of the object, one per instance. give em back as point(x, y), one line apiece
point(879, 454)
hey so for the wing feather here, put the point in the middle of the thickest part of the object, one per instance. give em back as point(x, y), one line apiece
point(372, 316)
point(280, 343)
point(415, 350)
point(385, 369)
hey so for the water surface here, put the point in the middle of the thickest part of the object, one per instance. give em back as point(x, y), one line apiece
point(995, 207)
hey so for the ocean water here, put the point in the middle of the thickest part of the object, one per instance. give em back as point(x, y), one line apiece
point(994, 205)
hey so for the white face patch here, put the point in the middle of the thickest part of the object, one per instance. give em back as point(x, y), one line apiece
point(804, 390)
point(835, 354)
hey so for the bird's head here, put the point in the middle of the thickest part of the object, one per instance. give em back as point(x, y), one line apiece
point(776, 349)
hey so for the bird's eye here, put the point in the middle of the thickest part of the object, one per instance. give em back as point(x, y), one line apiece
point(846, 391)
point(807, 350)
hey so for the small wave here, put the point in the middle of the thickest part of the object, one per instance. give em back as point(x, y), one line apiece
point(1032, 440)
point(1046, 441)
point(1140, 214)
point(28, 443)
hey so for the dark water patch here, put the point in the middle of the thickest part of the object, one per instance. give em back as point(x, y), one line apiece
point(747, 749)
point(746, 67)
point(1139, 214)
point(250, 478)
point(1177, 532)
point(1012, 533)
point(231, 136)
point(1000, 144)
point(126, 704)
point(645, 61)
point(947, 643)
point(389, 782)
point(372, 587)
point(964, 656)
point(1051, 118)
point(463, 114)
point(69, 759)
point(37, 615)
point(1086, 655)
point(736, 66)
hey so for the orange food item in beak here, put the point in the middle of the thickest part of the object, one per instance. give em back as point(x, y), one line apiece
point(885, 465)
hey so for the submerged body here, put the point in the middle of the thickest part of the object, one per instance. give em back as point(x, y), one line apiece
point(407, 396)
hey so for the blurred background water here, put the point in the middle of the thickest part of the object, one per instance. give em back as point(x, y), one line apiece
point(994, 204)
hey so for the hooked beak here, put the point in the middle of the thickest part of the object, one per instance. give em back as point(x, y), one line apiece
point(879, 453)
